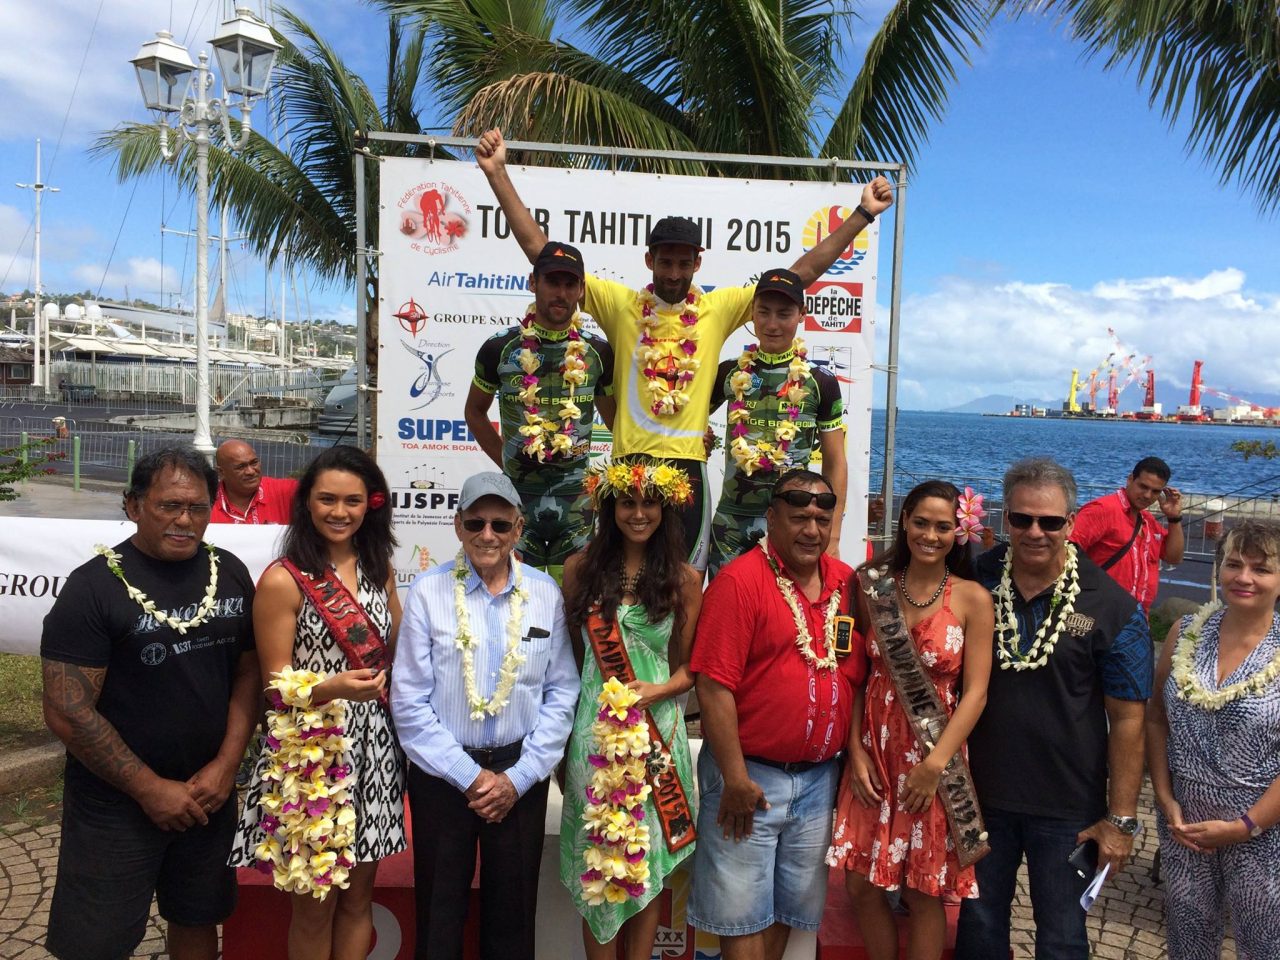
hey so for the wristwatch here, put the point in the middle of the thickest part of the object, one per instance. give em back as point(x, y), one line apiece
point(866, 214)
point(1253, 828)
point(1177, 519)
point(1126, 825)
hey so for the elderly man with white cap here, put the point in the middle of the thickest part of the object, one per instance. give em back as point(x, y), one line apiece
point(483, 694)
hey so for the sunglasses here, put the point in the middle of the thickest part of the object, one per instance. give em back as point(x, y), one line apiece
point(802, 498)
point(476, 524)
point(1023, 521)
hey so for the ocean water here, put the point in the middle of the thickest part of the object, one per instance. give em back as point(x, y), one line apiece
point(971, 449)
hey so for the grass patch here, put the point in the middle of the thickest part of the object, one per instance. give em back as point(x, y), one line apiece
point(34, 806)
point(21, 719)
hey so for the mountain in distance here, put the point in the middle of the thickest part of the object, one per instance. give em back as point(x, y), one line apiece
point(992, 403)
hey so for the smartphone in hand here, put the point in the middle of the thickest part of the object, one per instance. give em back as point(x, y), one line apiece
point(1084, 859)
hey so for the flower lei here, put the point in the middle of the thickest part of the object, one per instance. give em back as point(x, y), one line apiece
point(618, 843)
point(969, 514)
point(655, 478)
point(1188, 684)
point(465, 641)
point(764, 455)
point(537, 428)
point(668, 400)
point(1065, 590)
point(804, 639)
point(306, 810)
point(203, 612)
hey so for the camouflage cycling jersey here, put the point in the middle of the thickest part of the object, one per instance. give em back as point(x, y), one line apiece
point(822, 410)
point(498, 372)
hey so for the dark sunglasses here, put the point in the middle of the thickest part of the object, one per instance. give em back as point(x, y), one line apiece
point(476, 524)
point(802, 498)
point(1023, 521)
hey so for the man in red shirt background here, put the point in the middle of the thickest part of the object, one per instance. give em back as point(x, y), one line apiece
point(777, 697)
point(1120, 535)
point(244, 494)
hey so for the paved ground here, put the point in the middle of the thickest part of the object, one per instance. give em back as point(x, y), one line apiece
point(54, 497)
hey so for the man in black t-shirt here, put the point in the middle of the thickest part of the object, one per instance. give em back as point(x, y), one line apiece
point(1057, 753)
point(151, 681)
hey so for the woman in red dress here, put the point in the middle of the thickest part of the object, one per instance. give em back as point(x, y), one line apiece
point(891, 830)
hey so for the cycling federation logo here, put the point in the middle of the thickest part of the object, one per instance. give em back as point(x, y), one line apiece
point(826, 221)
point(834, 306)
point(411, 316)
point(434, 217)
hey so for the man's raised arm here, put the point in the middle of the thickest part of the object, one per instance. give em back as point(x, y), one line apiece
point(491, 155)
point(877, 197)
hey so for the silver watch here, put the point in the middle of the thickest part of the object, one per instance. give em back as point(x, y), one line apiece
point(1126, 825)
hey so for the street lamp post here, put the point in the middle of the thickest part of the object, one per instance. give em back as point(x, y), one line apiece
point(39, 379)
point(246, 52)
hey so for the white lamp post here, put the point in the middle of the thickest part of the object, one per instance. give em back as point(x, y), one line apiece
point(246, 52)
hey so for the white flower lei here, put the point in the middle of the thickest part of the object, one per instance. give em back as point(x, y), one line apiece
point(511, 660)
point(203, 613)
point(764, 455)
point(804, 639)
point(1008, 639)
point(1184, 671)
point(667, 402)
point(539, 429)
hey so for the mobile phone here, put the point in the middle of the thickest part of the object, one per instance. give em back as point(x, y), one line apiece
point(1084, 859)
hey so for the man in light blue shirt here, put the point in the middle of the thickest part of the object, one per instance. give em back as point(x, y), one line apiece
point(483, 695)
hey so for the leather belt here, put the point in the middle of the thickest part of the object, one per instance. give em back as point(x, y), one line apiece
point(491, 756)
point(794, 766)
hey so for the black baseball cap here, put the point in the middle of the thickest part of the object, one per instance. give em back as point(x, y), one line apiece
point(557, 257)
point(679, 230)
point(784, 282)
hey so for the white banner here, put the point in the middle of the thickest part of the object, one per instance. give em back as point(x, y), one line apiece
point(451, 276)
point(37, 556)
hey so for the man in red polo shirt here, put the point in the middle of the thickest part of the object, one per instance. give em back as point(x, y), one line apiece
point(776, 690)
point(244, 494)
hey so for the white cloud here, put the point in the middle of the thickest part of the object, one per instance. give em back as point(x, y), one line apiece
point(970, 338)
point(140, 275)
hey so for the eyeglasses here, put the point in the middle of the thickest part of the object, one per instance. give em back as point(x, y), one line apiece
point(802, 498)
point(1023, 521)
point(476, 524)
point(175, 508)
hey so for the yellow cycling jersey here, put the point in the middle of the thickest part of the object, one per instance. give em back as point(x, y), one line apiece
point(637, 429)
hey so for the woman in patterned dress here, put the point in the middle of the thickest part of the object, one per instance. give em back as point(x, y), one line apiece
point(1213, 748)
point(341, 520)
point(891, 831)
point(635, 569)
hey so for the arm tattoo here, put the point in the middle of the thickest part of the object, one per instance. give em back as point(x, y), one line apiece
point(71, 703)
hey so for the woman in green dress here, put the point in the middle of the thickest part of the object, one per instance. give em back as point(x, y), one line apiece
point(629, 590)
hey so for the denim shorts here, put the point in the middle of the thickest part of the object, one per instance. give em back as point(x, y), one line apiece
point(778, 874)
point(113, 859)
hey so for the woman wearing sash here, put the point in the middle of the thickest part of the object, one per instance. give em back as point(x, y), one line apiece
point(634, 601)
point(326, 800)
point(892, 830)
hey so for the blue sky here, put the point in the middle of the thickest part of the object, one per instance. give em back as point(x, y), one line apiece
point(1050, 203)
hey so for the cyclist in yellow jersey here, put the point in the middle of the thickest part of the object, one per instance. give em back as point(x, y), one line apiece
point(667, 336)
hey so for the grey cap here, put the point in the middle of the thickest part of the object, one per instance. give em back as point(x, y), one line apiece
point(491, 484)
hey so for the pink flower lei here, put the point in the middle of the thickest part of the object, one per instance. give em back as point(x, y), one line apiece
point(547, 438)
point(766, 455)
point(669, 399)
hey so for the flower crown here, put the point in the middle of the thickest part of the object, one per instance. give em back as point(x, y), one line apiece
point(969, 513)
point(652, 478)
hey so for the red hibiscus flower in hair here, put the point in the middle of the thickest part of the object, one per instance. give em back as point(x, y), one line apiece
point(377, 500)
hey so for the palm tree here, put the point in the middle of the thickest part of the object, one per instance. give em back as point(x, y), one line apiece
point(296, 200)
point(1216, 62)
point(722, 76)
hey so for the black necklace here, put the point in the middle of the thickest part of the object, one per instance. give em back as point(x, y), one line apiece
point(630, 584)
point(902, 585)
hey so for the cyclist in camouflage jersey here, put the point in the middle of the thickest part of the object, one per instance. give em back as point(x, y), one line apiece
point(789, 408)
point(550, 377)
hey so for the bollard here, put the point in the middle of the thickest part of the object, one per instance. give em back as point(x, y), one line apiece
point(75, 463)
point(23, 439)
point(1213, 520)
point(130, 453)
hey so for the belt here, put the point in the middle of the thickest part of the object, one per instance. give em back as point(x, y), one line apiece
point(794, 766)
point(488, 756)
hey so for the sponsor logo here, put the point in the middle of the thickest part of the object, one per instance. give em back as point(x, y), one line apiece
point(429, 385)
point(434, 216)
point(424, 433)
point(29, 585)
point(826, 221)
point(153, 654)
point(412, 317)
point(467, 280)
point(834, 306)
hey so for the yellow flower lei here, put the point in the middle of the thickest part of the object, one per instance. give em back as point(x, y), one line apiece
point(1008, 639)
point(203, 612)
point(668, 401)
point(655, 478)
point(804, 639)
point(307, 813)
point(1188, 684)
point(765, 455)
point(538, 429)
point(466, 641)
point(617, 854)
